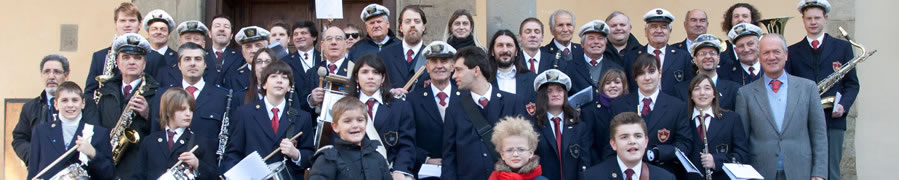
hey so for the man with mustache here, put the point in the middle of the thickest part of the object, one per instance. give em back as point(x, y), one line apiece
point(531, 34)
point(621, 40)
point(561, 24)
point(706, 53)
point(586, 70)
point(511, 77)
point(377, 29)
point(41, 109)
point(817, 56)
point(674, 62)
point(403, 59)
point(127, 19)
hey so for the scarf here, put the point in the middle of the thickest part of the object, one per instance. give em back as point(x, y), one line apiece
point(460, 43)
point(605, 100)
point(529, 171)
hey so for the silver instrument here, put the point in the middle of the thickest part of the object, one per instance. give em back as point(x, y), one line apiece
point(108, 66)
point(705, 143)
point(223, 131)
point(73, 171)
point(181, 171)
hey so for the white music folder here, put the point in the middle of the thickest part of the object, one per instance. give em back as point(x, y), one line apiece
point(248, 168)
point(741, 171)
point(685, 161)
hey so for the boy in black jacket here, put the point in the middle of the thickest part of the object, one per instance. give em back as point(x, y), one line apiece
point(350, 156)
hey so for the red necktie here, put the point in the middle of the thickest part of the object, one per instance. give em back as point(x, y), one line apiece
point(566, 51)
point(442, 97)
point(645, 111)
point(558, 138)
point(533, 67)
point(218, 56)
point(332, 67)
point(127, 90)
point(815, 44)
point(409, 56)
point(483, 101)
point(658, 54)
point(593, 62)
point(305, 56)
point(699, 128)
point(775, 85)
point(171, 138)
point(275, 120)
point(371, 105)
point(629, 173)
point(191, 90)
point(751, 72)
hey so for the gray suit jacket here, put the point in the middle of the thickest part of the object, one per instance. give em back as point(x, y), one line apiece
point(803, 140)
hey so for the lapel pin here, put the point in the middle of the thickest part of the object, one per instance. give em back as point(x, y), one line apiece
point(614, 175)
point(210, 116)
point(160, 139)
point(426, 93)
point(598, 106)
point(53, 125)
point(171, 54)
point(499, 95)
point(181, 141)
point(257, 106)
point(241, 71)
point(458, 94)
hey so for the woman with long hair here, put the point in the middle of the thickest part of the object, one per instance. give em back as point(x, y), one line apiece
point(717, 129)
point(459, 31)
point(612, 85)
point(555, 120)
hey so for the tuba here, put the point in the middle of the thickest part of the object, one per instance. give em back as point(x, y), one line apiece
point(827, 83)
point(181, 171)
point(776, 25)
point(121, 135)
point(108, 66)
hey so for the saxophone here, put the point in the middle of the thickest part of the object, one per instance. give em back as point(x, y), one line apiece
point(835, 77)
point(107, 70)
point(122, 134)
point(223, 132)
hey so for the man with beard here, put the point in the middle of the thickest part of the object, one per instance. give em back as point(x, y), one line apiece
point(226, 58)
point(674, 62)
point(695, 24)
point(403, 59)
point(159, 25)
point(54, 71)
point(561, 24)
point(511, 77)
point(437, 93)
point(706, 55)
point(127, 19)
point(621, 41)
point(745, 37)
point(377, 28)
point(531, 34)
point(586, 70)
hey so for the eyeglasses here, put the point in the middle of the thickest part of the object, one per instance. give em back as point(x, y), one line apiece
point(516, 151)
point(334, 38)
point(352, 35)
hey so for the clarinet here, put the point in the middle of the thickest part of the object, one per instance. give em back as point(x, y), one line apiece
point(223, 132)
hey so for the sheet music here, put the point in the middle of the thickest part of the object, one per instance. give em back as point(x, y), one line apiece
point(248, 168)
point(741, 171)
point(328, 9)
point(429, 170)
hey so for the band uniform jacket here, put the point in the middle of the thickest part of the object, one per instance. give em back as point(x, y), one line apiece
point(170, 75)
point(156, 157)
point(547, 61)
point(802, 139)
point(207, 115)
point(398, 69)
point(429, 124)
point(676, 67)
point(257, 135)
point(727, 92)
point(36, 112)
point(554, 50)
point(397, 130)
point(524, 85)
point(369, 46)
point(816, 65)
point(110, 107)
point(578, 70)
point(609, 169)
point(49, 145)
point(575, 156)
point(667, 127)
point(231, 59)
point(154, 62)
point(727, 143)
point(465, 155)
point(599, 117)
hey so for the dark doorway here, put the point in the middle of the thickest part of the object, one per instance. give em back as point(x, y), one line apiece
point(263, 12)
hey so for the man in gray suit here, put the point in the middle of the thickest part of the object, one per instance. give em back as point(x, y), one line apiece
point(787, 143)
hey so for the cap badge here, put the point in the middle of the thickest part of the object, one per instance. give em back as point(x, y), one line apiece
point(437, 48)
point(191, 25)
point(739, 29)
point(133, 40)
point(659, 11)
point(371, 9)
point(250, 32)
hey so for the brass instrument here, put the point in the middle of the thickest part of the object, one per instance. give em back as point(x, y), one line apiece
point(223, 131)
point(776, 25)
point(181, 171)
point(108, 66)
point(73, 171)
point(121, 135)
point(705, 143)
point(827, 83)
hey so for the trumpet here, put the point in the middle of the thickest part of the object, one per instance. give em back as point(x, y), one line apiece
point(108, 66)
point(73, 171)
point(121, 135)
point(832, 79)
point(181, 171)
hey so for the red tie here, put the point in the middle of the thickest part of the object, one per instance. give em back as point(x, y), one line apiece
point(815, 44)
point(171, 138)
point(275, 120)
point(593, 62)
point(332, 67)
point(558, 138)
point(699, 128)
point(483, 101)
point(629, 173)
point(218, 56)
point(751, 72)
point(533, 67)
point(409, 56)
point(371, 105)
point(305, 56)
point(191, 90)
point(645, 111)
point(775, 85)
point(127, 90)
point(658, 54)
point(566, 51)
point(442, 97)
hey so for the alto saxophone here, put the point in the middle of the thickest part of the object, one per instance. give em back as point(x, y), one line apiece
point(223, 132)
point(836, 76)
point(122, 134)
point(108, 66)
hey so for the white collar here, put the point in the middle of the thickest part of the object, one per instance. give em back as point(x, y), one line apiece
point(162, 50)
point(650, 49)
point(414, 48)
point(688, 42)
point(310, 52)
point(132, 83)
point(708, 111)
point(65, 121)
point(219, 50)
point(199, 85)
point(756, 66)
point(386, 38)
point(177, 130)
point(508, 73)
point(652, 96)
point(562, 47)
point(337, 63)
point(550, 116)
point(435, 90)
point(377, 96)
point(527, 57)
point(637, 169)
point(476, 96)
point(269, 106)
point(820, 40)
point(587, 58)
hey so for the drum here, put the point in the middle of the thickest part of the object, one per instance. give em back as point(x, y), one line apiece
point(279, 171)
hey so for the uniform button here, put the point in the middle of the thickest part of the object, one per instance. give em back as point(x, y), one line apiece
point(210, 116)
point(485, 154)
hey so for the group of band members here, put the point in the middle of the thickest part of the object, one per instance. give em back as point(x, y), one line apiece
point(500, 111)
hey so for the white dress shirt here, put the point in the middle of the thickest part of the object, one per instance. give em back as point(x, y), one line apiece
point(307, 58)
point(477, 96)
point(505, 78)
point(637, 169)
point(436, 91)
point(552, 124)
point(374, 109)
point(536, 57)
point(650, 49)
point(652, 106)
point(133, 85)
point(414, 48)
point(696, 112)
point(199, 85)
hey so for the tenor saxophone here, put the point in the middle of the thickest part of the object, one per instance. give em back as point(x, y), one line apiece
point(122, 134)
point(223, 131)
point(836, 76)
point(108, 66)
